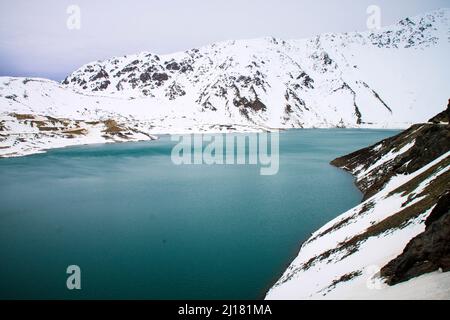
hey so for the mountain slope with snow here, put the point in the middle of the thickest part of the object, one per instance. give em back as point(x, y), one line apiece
point(399, 235)
point(381, 79)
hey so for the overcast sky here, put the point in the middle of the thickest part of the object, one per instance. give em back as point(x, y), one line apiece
point(35, 39)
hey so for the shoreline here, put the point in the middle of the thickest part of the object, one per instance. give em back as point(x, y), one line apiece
point(155, 136)
point(296, 253)
point(333, 262)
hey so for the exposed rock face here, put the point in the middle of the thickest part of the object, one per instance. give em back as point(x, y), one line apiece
point(430, 250)
point(430, 141)
point(406, 185)
point(427, 252)
point(443, 117)
point(173, 66)
point(174, 91)
point(101, 74)
point(325, 81)
point(160, 77)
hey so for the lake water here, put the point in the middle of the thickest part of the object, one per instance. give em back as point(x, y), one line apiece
point(140, 227)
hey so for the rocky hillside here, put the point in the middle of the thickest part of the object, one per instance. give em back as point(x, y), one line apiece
point(23, 134)
point(375, 79)
point(350, 79)
point(443, 117)
point(395, 244)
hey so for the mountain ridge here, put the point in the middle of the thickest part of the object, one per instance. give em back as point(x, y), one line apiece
point(440, 12)
point(359, 80)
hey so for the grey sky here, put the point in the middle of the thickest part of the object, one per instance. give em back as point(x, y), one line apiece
point(34, 39)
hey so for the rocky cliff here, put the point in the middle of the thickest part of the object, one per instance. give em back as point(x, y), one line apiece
point(395, 244)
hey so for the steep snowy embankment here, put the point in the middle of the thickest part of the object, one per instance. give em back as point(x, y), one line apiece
point(405, 215)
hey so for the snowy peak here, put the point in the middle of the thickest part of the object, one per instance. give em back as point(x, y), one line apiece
point(419, 31)
point(149, 71)
point(331, 80)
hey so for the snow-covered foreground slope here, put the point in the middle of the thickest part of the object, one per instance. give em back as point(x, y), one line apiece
point(406, 182)
point(384, 79)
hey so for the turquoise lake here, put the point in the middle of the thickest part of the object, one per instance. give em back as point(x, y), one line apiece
point(141, 227)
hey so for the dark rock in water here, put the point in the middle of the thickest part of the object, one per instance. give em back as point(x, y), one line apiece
point(444, 116)
point(427, 252)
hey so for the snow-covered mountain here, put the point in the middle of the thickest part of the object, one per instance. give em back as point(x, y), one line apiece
point(384, 78)
point(396, 243)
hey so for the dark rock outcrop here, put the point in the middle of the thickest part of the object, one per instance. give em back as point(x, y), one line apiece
point(104, 84)
point(427, 252)
point(145, 76)
point(307, 81)
point(173, 66)
point(430, 142)
point(174, 91)
point(245, 104)
point(102, 74)
point(443, 117)
point(255, 105)
point(430, 250)
point(160, 77)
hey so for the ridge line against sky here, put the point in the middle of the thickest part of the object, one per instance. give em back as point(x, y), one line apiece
point(35, 40)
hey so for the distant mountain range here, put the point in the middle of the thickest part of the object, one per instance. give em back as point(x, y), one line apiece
point(386, 78)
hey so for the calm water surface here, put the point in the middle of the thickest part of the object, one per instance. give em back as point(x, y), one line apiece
point(140, 227)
